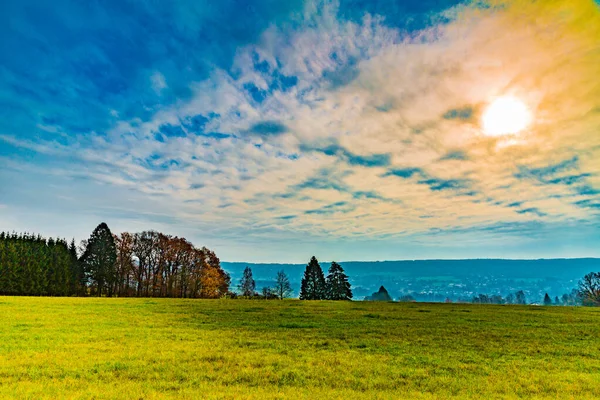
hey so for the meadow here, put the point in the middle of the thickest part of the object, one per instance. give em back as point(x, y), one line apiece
point(115, 348)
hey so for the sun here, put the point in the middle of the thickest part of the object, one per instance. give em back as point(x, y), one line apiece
point(506, 115)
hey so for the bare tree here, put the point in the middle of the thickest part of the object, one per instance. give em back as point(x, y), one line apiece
point(282, 288)
point(589, 289)
point(124, 267)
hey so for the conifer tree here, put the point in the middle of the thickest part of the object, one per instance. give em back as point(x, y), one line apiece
point(77, 277)
point(313, 286)
point(547, 300)
point(338, 287)
point(99, 259)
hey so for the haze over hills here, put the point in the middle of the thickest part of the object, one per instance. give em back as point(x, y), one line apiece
point(436, 280)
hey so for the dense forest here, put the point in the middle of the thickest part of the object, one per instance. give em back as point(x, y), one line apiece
point(149, 264)
point(32, 265)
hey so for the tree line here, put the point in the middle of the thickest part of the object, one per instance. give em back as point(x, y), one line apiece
point(314, 285)
point(574, 298)
point(145, 264)
point(153, 264)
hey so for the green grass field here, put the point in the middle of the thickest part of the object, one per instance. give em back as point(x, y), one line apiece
point(236, 349)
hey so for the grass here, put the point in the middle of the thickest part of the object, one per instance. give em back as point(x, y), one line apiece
point(236, 349)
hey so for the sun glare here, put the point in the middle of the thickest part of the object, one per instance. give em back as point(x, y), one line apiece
point(506, 116)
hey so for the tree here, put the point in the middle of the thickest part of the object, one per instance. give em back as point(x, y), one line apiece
point(496, 299)
point(267, 293)
point(589, 289)
point(210, 281)
point(520, 297)
point(572, 299)
point(547, 300)
point(99, 259)
point(338, 287)
point(124, 264)
point(77, 275)
point(556, 301)
point(407, 298)
point(247, 284)
point(481, 299)
point(381, 295)
point(282, 288)
point(313, 286)
point(510, 299)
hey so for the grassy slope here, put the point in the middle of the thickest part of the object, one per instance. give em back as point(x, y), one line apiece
point(164, 348)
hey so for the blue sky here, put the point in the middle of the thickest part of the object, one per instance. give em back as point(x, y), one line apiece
point(274, 130)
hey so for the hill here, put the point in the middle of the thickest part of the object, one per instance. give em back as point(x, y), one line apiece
point(434, 280)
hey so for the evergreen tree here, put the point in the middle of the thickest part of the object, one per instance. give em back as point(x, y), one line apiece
point(282, 285)
point(99, 259)
point(556, 301)
point(381, 295)
point(30, 265)
point(313, 286)
point(520, 297)
point(338, 287)
point(547, 300)
point(247, 284)
point(77, 277)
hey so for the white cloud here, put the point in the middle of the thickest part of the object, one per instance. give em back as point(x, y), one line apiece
point(158, 82)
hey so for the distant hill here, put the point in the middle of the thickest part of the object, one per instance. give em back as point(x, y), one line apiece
point(569, 268)
point(438, 278)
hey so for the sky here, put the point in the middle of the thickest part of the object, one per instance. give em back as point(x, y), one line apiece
point(271, 131)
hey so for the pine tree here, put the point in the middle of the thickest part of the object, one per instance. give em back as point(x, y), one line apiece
point(338, 287)
point(282, 285)
point(383, 295)
point(547, 300)
point(313, 286)
point(99, 259)
point(247, 284)
point(77, 277)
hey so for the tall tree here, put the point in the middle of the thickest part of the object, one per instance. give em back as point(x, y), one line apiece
point(99, 259)
point(282, 287)
point(77, 274)
point(520, 297)
point(547, 300)
point(247, 284)
point(313, 286)
point(124, 264)
point(338, 287)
